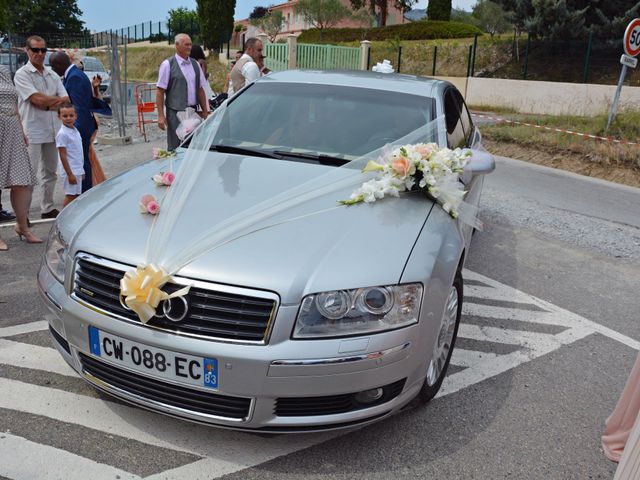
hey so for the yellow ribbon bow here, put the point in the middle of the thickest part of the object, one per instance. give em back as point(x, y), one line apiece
point(141, 290)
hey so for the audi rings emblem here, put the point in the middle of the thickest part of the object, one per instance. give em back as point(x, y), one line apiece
point(124, 305)
point(175, 309)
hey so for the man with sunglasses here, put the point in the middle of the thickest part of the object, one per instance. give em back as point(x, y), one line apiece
point(40, 93)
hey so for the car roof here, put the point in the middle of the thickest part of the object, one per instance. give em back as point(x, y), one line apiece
point(393, 82)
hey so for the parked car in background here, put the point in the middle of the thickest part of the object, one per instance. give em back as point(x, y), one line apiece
point(92, 66)
point(320, 317)
point(14, 58)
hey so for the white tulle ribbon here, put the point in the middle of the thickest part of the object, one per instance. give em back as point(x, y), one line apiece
point(255, 218)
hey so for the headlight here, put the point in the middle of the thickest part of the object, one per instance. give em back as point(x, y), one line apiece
point(56, 254)
point(341, 313)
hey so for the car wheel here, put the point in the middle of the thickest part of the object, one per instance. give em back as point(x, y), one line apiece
point(447, 333)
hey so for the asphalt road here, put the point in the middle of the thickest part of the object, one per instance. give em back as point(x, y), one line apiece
point(527, 394)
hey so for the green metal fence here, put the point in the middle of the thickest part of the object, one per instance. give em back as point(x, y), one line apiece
point(277, 56)
point(327, 57)
point(320, 57)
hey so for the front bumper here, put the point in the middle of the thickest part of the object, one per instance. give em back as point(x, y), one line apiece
point(263, 374)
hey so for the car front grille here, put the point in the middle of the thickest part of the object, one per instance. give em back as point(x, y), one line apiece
point(332, 404)
point(189, 399)
point(212, 313)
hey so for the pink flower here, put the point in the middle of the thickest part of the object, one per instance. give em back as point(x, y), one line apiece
point(168, 178)
point(146, 199)
point(153, 207)
point(401, 166)
point(425, 150)
point(156, 153)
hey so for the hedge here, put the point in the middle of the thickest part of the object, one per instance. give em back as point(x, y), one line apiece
point(421, 30)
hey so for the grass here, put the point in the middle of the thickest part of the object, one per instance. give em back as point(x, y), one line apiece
point(625, 127)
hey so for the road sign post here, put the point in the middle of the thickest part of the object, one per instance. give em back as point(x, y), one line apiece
point(631, 42)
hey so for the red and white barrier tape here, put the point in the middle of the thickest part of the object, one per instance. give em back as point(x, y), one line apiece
point(559, 130)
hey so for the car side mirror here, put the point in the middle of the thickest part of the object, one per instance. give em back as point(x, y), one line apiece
point(481, 162)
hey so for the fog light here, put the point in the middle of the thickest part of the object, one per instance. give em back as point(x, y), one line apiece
point(369, 396)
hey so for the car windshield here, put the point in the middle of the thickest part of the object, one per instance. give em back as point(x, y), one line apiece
point(92, 65)
point(323, 120)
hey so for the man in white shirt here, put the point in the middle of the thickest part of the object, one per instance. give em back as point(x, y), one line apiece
point(40, 93)
point(246, 69)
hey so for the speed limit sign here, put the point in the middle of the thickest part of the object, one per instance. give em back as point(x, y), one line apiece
point(632, 38)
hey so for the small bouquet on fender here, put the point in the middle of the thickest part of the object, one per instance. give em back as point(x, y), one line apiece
point(423, 166)
point(149, 204)
point(163, 179)
point(189, 121)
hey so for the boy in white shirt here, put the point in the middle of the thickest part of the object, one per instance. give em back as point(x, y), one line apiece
point(69, 143)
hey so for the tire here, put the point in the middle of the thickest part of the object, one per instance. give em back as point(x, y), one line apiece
point(445, 343)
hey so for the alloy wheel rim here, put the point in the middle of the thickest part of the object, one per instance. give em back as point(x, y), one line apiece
point(445, 337)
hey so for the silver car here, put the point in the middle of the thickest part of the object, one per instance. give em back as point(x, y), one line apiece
point(338, 317)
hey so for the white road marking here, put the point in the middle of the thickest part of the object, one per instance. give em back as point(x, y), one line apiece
point(23, 328)
point(22, 459)
point(516, 315)
point(35, 357)
point(469, 358)
point(226, 451)
point(570, 318)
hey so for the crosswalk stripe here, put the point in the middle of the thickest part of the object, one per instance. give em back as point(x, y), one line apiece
point(516, 315)
point(504, 335)
point(480, 372)
point(228, 451)
point(32, 356)
point(22, 459)
point(502, 295)
point(98, 414)
point(468, 358)
point(23, 328)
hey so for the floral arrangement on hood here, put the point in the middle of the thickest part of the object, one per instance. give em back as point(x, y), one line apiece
point(423, 166)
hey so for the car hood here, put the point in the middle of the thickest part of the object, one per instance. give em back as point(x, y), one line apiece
point(313, 246)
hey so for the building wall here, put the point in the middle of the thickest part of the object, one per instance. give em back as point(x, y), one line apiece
point(295, 24)
point(550, 98)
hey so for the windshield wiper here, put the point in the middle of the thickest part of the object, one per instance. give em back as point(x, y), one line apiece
point(322, 159)
point(242, 151)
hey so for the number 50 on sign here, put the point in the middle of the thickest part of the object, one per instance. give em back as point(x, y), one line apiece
point(632, 38)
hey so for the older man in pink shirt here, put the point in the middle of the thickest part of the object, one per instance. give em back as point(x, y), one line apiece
point(180, 85)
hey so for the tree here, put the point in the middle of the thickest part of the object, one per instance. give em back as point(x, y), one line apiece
point(382, 7)
point(554, 20)
point(322, 14)
point(258, 12)
point(183, 20)
point(491, 17)
point(271, 24)
point(51, 19)
point(216, 21)
point(439, 10)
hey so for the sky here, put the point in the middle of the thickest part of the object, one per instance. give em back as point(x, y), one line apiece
point(116, 14)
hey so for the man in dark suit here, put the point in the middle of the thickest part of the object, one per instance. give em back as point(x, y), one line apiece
point(81, 93)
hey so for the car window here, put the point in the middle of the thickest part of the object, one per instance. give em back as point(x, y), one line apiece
point(465, 117)
point(92, 65)
point(455, 131)
point(323, 119)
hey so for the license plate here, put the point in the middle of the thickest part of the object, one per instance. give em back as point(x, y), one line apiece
point(154, 361)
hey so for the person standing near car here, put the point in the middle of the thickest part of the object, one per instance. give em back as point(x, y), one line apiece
point(180, 85)
point(16, 171)
point(81, 93)
point(40, 93)
point(246, 69)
